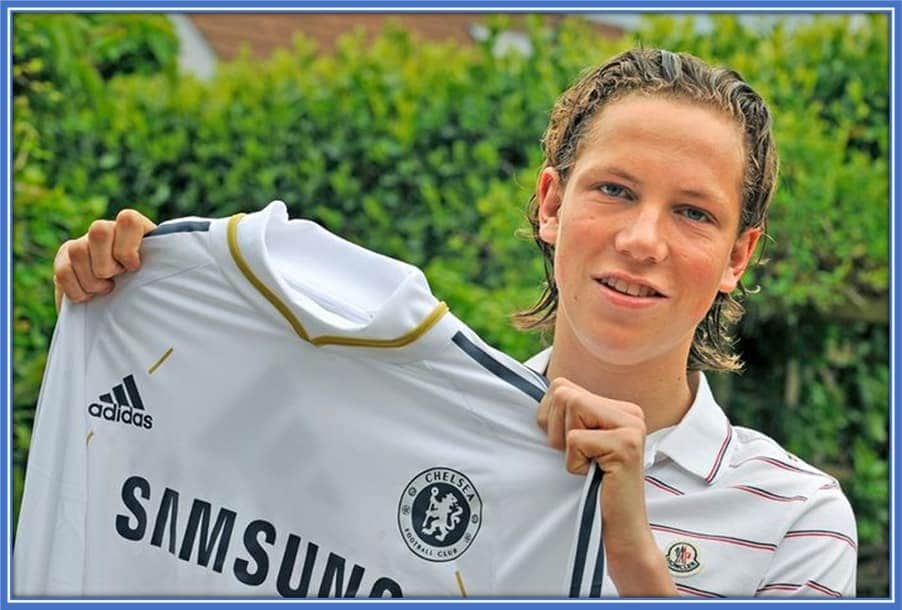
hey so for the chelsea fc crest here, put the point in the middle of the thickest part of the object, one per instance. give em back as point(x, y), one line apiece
point(439, 514)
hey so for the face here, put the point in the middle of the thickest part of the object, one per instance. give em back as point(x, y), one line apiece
point(646, 229)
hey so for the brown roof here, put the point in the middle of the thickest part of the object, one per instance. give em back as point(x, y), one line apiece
point(263, 32)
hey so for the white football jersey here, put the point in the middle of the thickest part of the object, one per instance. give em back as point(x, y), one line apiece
point(268, 410)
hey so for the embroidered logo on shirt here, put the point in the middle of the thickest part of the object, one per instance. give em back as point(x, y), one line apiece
point(439, 514)
point(682, 559)
point(123, 405)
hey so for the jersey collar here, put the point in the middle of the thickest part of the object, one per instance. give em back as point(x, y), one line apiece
point(701, 443)
point(328, 291)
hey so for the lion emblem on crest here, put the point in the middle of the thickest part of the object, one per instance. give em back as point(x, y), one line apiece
point(442, 516)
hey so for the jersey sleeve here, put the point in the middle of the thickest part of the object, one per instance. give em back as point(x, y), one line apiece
point(818, 554)
point(48, 551)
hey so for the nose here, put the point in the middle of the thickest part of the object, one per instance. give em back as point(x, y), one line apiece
point(642, 237)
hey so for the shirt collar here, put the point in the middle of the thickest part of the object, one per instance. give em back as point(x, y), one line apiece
point(539, 362)
point(703, 440)
point(701, 443)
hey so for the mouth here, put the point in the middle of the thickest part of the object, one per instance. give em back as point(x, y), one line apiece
point(630, 288)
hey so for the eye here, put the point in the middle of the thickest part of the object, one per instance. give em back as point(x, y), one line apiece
point(614, 190)
point(695, 214)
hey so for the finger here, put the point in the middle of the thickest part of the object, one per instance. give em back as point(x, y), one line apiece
point(80, 262)
point(64, 278)
point(131, 226)
point(585, 410)
point(100, 248)
point(612, 449)
point(557, 430)
point(553, 408)
point(542, 412)
point(576, 457)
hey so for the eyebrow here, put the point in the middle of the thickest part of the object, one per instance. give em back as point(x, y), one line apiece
point(698, 194)
point(620, 172)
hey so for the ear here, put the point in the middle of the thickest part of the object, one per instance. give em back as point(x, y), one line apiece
point(549, 195)
point(740, 255)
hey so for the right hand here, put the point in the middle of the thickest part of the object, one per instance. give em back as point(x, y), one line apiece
point(83, 268)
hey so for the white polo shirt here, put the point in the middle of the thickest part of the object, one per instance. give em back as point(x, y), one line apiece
point(737, 515)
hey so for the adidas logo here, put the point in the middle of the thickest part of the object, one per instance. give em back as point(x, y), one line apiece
point(123, 404)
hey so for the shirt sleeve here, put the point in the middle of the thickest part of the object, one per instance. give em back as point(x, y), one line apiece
point(48, 551)
point(818, 554)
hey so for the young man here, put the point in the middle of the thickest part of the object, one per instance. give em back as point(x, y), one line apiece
point(654, 192)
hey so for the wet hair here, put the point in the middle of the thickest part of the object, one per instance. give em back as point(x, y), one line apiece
point(681, 77)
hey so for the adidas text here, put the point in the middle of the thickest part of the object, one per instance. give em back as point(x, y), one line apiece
point(121, 414)
point(123, 404)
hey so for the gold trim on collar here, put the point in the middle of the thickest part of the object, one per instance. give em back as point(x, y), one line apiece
point(409, 337)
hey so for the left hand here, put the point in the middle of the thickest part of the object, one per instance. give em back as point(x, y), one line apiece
point(591, 428)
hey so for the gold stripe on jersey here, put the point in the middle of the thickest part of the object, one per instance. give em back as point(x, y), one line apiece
point(460, 583)
point(159, 362)
point(409, 337)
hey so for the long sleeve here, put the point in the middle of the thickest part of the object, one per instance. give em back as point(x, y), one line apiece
point(48, 553)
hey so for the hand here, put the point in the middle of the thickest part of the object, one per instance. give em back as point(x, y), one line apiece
point(590, 428)
point(83, 268)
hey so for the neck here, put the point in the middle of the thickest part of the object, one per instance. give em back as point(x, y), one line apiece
point(661, 387)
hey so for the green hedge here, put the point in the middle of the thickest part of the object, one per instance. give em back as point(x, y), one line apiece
point(429, 151)
point(61, 65)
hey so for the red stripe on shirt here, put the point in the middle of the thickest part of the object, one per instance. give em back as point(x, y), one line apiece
point(779, 586)
point(662, 485)
point(763, 546)
point(777, 463)
point(720, 454)
point(697, 592)
point(769, 495)
point(788, 586)
point(822, 534)
point(825, 590)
